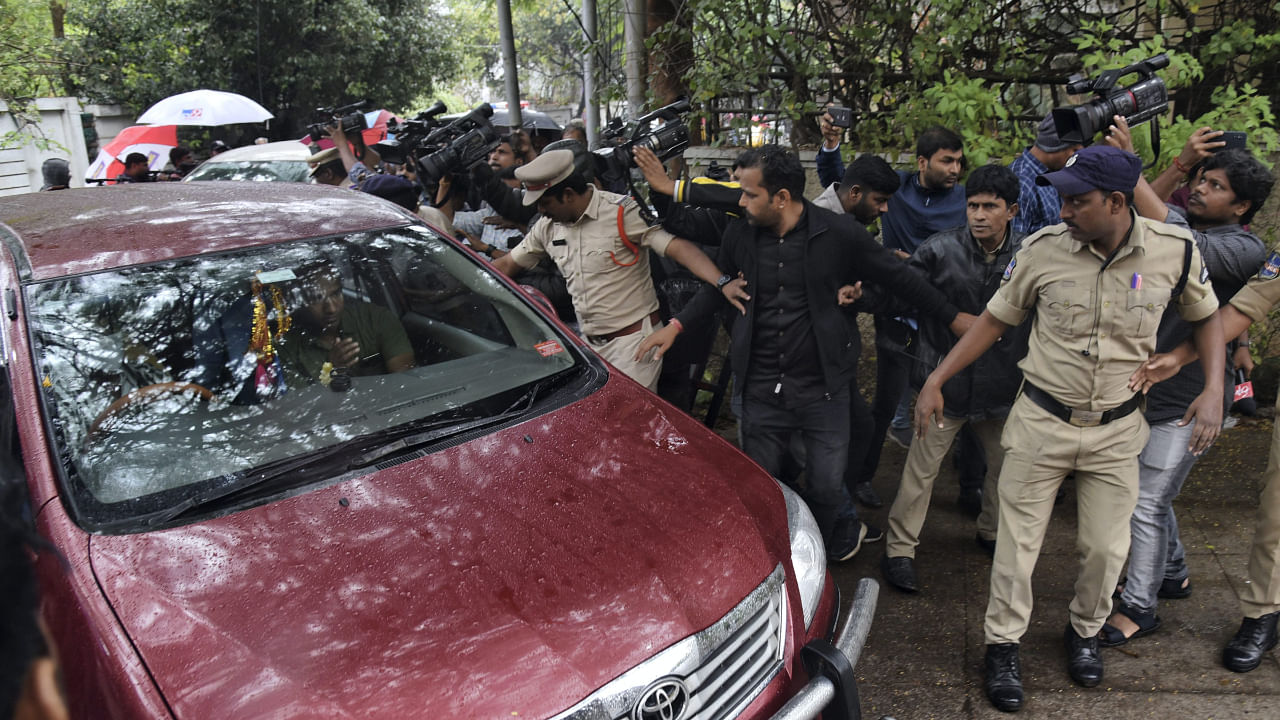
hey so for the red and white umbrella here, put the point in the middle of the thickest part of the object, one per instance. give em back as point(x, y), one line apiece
point(154, 141)
point(375, 132)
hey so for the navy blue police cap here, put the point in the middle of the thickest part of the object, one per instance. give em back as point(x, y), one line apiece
point(1097, 167)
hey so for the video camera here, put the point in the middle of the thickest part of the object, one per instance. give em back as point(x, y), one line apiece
point(614, 160)
point(457, 146)
point(405, 136)
point(349, 117)
point(666, 141)
point(1145, 99)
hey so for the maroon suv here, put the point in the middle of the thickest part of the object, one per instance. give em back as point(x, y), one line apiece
point(470, 516)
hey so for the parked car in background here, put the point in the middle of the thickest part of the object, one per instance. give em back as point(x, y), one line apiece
point(284, 161)
point(505, 527)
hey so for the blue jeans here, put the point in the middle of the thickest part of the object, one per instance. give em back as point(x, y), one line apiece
point(823, 427)
point(1155, 550)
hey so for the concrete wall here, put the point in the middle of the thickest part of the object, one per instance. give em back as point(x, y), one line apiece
point(60, 122)
point(61, 125)
point(699, 157)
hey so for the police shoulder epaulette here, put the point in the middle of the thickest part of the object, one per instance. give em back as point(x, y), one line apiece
point(1044, 232)
point(1168, 231)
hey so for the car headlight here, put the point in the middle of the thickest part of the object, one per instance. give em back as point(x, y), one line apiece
point(808, 554)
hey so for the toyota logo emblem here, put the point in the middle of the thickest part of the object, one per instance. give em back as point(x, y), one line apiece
point(666, 699)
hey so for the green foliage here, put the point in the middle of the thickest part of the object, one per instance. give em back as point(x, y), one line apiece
point(31, 60)
point(971, 107)
point(292, 57)
point(550, 45)
point(1230, 107)
point(32, 64)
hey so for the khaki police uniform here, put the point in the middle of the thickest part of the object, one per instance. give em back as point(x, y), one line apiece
point(1261, 596)
point(1095, 323)
point(608, 281)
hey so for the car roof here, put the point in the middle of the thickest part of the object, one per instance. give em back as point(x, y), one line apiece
point(283, 150)
point(68, 232)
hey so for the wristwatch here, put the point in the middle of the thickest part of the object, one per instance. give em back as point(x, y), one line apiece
point(724, 280)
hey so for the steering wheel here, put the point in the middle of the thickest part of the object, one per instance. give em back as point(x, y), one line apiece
point(147, 393)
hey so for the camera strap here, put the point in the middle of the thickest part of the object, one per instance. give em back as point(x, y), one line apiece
point(1186, 268)
point(622, 233)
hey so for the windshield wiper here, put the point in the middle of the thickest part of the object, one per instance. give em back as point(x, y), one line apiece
point(404, 440)
point(322, 462)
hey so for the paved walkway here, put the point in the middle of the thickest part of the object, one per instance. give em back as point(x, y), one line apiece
point(924, 654)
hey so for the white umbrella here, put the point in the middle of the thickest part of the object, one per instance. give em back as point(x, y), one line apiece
point(205, 107)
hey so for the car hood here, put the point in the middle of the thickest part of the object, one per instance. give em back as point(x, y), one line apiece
point(508, 576)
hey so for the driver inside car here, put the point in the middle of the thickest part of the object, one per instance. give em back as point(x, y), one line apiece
point(331, 333)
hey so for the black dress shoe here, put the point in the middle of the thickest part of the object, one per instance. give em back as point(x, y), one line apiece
point(1084, 663)
point(1003, 682)
point(900, 572)
point(970, 500)
point(1255, 637)
point(865, 494)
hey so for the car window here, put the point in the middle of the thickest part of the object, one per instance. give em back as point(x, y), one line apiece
point(254, 170)
point(182, 381)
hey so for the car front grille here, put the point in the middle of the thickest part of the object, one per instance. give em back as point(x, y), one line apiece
point(711, 675)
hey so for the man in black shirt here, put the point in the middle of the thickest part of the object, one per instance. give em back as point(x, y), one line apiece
point(794, 346)
point(136, 169)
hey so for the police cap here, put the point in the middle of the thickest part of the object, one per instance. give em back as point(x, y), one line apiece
point(546, 170)
point(1097, 167)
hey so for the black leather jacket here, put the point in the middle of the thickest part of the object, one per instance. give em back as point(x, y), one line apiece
point(954, 264)
point(838, 251)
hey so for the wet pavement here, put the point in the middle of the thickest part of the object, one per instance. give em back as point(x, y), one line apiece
point(924, 656)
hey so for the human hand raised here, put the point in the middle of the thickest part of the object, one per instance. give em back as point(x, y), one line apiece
point(654, 172)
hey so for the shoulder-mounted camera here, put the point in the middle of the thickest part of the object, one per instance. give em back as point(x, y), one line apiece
point(349, 117)
point(1137, 103)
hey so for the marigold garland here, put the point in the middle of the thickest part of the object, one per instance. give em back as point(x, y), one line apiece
point(261, 339)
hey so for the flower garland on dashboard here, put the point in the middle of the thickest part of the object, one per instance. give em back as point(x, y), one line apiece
point(261, 339)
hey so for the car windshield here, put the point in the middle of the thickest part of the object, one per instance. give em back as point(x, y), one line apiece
point(168, 383)
point(254, 170)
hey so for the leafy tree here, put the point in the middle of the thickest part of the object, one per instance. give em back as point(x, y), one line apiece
point(292, 57)
point(989, 70)
point(550, 45)
point(32, 62)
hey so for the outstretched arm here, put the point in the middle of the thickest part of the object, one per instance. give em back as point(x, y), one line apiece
point(1162, 366)
point(980, 336)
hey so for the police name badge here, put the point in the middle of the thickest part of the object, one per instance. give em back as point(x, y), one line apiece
point(1271, 267)
point(1008, 270)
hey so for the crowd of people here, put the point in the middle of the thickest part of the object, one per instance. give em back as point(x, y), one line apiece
point(1016, 312)
point(1061, 317)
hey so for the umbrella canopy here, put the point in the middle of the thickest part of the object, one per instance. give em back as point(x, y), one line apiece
point(529, 120)
point(154, 141)
point(205, 107)
point(375, 132)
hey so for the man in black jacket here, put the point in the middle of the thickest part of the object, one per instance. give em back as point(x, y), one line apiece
point(794, 348)
point(966, 264)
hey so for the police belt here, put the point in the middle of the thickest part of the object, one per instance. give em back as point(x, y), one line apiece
point(1079, 418)
point(633, 328)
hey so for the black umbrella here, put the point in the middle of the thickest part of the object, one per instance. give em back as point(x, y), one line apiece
point(529, 120)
